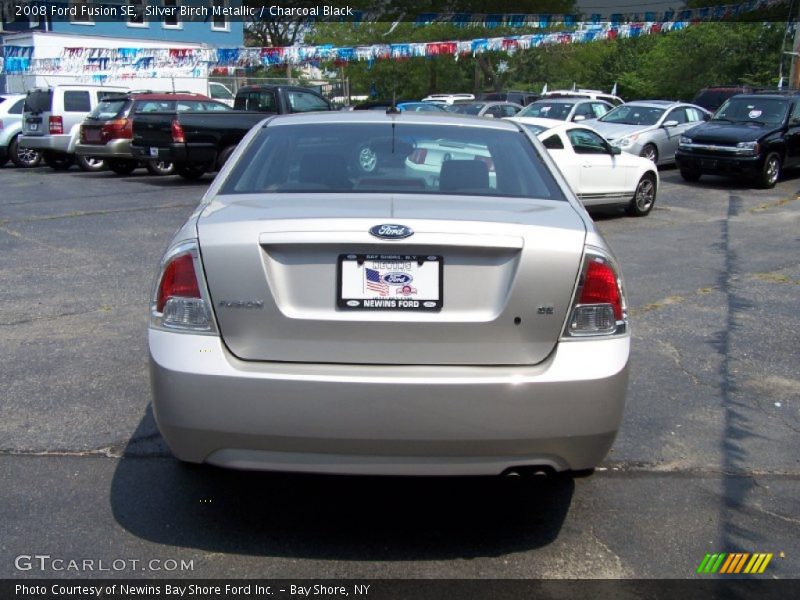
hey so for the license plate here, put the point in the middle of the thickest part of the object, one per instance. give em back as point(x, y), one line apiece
point(708, 164)
point(92, 135)
point(154, 152)
point(33, 127)
point(390, 282)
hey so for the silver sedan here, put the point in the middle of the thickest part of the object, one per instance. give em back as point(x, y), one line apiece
point(309, 317)
point(650, 128)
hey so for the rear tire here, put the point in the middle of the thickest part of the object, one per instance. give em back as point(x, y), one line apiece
point(90, 164)
point(120, 166)
point(224, 156)
point(24, 158)
point(58, 161)
point(160, 167)
point(771, 171)
point(689, 175)
point(191, 172)
point(644, 197)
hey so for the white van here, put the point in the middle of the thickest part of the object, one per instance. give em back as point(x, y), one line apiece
point(52, 118)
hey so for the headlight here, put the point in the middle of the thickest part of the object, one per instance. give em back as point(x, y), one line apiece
point(748, 147)
point(684, 141)
point(626, 141)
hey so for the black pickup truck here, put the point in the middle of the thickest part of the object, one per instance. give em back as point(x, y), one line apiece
point(751, 135)
point(201, 142)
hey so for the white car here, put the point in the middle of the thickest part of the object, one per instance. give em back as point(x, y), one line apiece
point(600, 174)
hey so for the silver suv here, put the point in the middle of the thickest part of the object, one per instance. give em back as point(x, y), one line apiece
point(52, 121)
point(10, 127)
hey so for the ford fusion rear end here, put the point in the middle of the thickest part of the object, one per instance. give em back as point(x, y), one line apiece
point(311, 318)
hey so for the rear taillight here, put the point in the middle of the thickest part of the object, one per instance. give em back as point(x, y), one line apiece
point(179, 298)
point(418, 156)
point(177, 133)
point(117, 129)
point(56, 125)
point(599, 307)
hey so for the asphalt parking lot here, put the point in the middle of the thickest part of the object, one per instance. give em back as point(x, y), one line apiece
point(707, 460)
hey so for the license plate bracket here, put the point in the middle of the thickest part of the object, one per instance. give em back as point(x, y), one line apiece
point(390, 282)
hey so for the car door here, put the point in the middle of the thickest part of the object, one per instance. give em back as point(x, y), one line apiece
point(670, 136)
point(560, 149)
point(793, 137)
point(603, 177)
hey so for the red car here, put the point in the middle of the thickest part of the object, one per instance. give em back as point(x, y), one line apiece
point(108, 130)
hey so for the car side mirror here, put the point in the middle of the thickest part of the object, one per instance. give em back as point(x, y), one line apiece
point(670, 124)
point(615, 150)
point(578, 118)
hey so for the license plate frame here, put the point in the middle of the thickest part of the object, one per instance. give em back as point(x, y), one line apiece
point(404, 282)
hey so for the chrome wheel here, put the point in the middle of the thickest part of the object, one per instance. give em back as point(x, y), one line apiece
point(24, 158)
point(772, 170)
point(90, 163)
point(644, 197)
point(650, 153)
point(160, 167)
point(367, 159)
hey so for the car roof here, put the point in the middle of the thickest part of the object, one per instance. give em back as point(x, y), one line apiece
point(158, 96)
point(375, 116)
point(655, 103)
point(552, 125)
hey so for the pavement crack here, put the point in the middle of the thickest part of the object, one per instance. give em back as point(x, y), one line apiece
point(673, 352)
point(51, 317)
point(92, 213)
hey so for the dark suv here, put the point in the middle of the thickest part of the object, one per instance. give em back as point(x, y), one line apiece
point(751, 135)
point(711, 98)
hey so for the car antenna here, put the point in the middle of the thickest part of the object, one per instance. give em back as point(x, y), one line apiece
point(392, 110)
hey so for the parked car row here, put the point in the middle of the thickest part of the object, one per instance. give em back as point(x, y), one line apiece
point(178, 132)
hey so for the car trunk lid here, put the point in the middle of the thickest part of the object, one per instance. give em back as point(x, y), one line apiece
point(274, 272)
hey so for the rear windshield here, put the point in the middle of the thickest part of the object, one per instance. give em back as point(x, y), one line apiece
point(749, 109)
point(406, 158)
point(547, 110)
point(38, 101)
point(108, 109)
point(149, 106)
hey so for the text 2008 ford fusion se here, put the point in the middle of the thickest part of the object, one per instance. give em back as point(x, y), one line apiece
point(462, 319)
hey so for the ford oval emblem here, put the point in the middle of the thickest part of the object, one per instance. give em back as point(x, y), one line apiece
point(390, 231)
point(397, 278)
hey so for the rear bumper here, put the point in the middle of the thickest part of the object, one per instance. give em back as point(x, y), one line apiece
point(177, 153)
point(43, 143)
point(400, 420)
point(712, 164)
point(113, 149)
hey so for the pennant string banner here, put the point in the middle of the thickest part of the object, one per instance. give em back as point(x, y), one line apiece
point(124, 63)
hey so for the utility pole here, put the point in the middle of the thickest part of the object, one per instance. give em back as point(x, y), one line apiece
point(794, 74)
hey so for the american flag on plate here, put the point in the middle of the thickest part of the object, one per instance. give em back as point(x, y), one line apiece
point(372, 282)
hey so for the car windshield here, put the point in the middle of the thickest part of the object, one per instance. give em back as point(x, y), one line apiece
point(108, 109)
point(632, 114)
point(534, 129)
point(753, 110)
point(472, 108)
point(368, 158)
point(547, 110)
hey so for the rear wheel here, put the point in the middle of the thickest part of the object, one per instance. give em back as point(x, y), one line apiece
point(224, 156)
point(644, 197)
point(120, 166)
point(58, 161)
point(160, 167)
point(89, 163)
point(771, 171)
point(650, 152)
point(191, 172)
point(689, 175)
point(24, 158)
